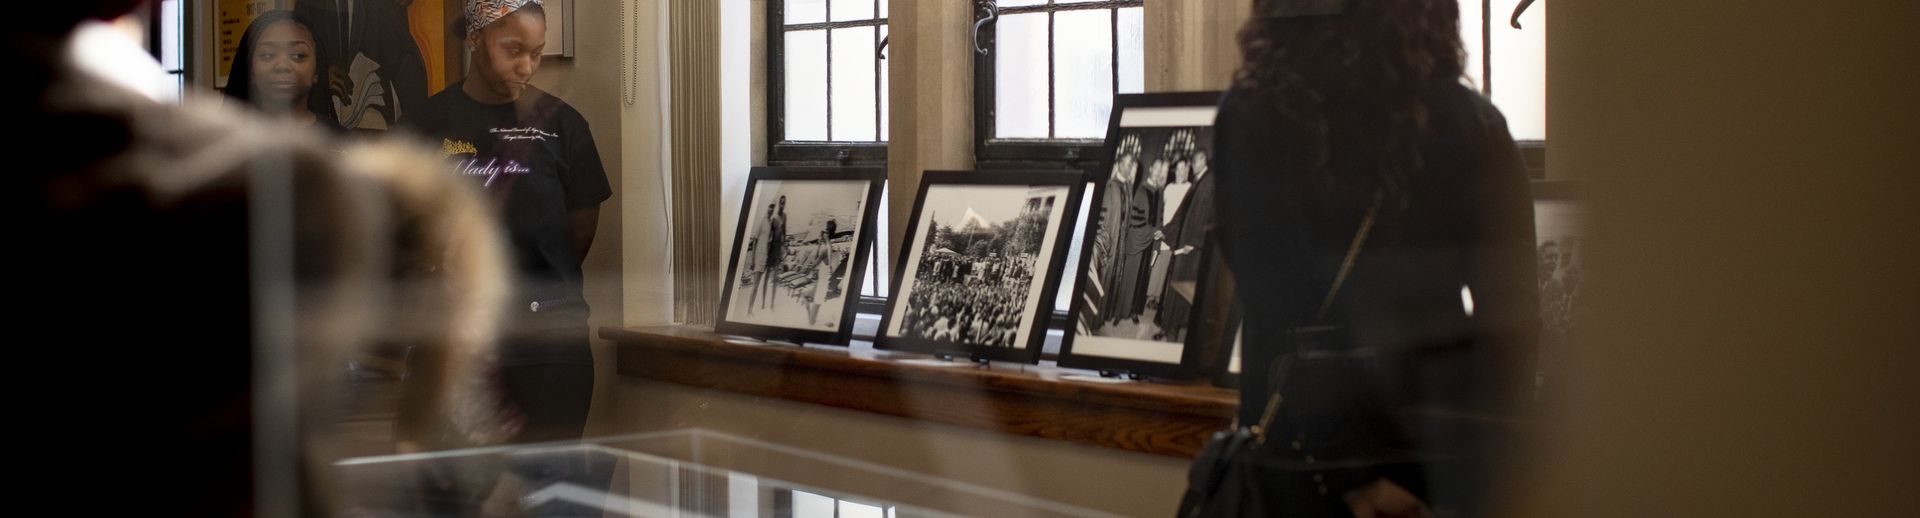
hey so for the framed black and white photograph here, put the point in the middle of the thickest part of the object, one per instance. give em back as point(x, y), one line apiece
point(801, 243)
point(1559, 219)
point(1147, 241)
point(982, 256)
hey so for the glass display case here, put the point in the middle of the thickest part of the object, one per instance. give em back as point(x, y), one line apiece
point(680, 473)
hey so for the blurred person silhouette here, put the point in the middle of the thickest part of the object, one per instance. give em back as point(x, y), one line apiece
point(276, 70)
point(199, 273)
point(1348, 147)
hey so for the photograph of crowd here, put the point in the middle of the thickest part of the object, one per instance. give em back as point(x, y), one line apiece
point(1150, 226)
point(797, 253)
point(971, 276)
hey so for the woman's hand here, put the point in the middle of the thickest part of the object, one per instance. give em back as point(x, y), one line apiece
point(1384, 499)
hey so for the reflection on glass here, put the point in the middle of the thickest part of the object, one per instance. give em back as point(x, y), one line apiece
point(1083, 73)
point(805, 11)
point(1020, 65)
point(1018, 3)
point(855, 104)
point(849, 10)
point(806, 85)
point(1133, 63)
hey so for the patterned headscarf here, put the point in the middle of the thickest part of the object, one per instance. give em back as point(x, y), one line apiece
point(481, 13)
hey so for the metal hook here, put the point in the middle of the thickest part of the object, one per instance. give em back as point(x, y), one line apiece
point(881, 53)
point(986, 6)
point(1522, 9)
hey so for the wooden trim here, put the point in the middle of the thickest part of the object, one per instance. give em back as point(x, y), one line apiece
point(1161, 419)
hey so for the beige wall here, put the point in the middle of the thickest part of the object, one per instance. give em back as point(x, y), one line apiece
point(1192, 44)
point(1754, 273)
point(625, 272)
point(930, 76)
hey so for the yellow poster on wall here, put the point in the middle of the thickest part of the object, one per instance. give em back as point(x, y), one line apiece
point(231, 19)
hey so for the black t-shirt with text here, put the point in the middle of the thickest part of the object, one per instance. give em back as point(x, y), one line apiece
point(535, 160)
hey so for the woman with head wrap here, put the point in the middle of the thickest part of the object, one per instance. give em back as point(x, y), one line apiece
point(534, 157)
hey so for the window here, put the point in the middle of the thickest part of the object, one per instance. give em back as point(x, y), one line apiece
point(1509, 66)
point(1045, 86)
point(165, 30)
point(827, 101)
point(802, 504)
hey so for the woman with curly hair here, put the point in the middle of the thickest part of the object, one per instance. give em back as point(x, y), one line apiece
point(1348, 143)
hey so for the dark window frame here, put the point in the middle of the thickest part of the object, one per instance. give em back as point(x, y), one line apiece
point(783, 152)
point(991, 152)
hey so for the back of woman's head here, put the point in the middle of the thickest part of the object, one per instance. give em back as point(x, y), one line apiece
point(1351, 79)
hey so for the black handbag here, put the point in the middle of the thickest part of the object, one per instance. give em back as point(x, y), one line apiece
point(1239, 473)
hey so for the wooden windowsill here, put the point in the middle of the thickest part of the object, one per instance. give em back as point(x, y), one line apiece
point(1163, 419)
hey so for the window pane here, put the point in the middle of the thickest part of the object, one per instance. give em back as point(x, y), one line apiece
point(883, 8)
point(805, 11)
point(854, 100)
point(1470, 22)
point(1019, 3)
point(809, 505)
point(1133, 47)
point(886, 109)
point(848, 10)
point(1020, 81)
point(1083, 73)
point(853, 510)
point(1063, 297)
point(170, 25)
point(1520, 74)
point(877, 266)
point(806, 85)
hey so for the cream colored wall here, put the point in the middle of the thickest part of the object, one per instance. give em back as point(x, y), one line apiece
point(625, 272)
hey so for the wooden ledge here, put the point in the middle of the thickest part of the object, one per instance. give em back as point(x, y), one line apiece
point(1163, 419)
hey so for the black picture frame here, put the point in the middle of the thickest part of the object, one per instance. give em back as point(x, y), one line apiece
point(730, 324)
point(1560, 210)
point(1039, 307)
point(1193, 361)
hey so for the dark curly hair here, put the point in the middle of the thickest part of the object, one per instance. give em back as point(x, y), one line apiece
point(1354, 87)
